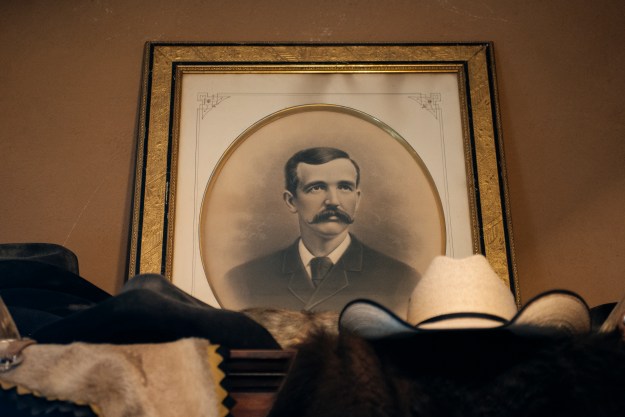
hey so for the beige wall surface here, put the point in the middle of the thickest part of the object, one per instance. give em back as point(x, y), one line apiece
point(70, 85)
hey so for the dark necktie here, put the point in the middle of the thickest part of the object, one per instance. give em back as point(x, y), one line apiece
point(319, 268)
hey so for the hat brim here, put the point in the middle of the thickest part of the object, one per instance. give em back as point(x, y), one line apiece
point(555, 312)
point(20, 273)
point(146, 316)
point(47, 253)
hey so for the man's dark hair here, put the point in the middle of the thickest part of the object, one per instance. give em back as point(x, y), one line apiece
point(313, 156)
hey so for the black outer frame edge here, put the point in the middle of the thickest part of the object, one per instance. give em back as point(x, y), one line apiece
point(316, 44)
point(148, 55)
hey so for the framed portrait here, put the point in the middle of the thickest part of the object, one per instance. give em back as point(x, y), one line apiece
point(405, 143)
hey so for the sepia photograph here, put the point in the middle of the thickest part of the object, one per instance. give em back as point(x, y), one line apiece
point(316, 181)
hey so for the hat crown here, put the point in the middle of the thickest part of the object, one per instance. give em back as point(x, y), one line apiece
point(47, 253)
point(460, 286)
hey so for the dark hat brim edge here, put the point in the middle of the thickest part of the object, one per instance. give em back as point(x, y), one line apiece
point(371, 320)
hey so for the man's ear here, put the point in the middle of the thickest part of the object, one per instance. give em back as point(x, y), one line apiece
point(288, 199)
point(358, 193)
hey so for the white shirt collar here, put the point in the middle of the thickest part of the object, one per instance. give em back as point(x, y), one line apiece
point(334, 256)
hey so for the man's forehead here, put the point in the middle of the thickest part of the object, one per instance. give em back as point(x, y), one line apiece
point(340, 169)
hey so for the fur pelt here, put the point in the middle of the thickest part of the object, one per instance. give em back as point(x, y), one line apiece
point(173, 379)
point(464, 375)
point(289, 327)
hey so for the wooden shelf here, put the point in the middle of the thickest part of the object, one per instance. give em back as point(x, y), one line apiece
point(253, 377)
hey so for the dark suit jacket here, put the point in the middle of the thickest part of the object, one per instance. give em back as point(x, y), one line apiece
point(280, 280)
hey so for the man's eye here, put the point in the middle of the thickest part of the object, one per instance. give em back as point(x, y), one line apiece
point(314, 188)
point(346, 187)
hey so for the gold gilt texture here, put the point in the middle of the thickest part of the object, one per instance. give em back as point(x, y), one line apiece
point(153, 236)
point(488, 180)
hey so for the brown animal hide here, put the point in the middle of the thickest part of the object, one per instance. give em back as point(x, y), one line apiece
point(463, 374)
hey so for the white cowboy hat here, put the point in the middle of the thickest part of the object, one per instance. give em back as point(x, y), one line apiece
point(467, 293)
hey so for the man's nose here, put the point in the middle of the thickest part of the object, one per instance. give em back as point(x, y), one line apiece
point(332, 197)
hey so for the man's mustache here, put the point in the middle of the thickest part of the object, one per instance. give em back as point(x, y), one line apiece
point(326, 214)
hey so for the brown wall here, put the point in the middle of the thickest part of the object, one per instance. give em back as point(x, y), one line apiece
point(69, 91)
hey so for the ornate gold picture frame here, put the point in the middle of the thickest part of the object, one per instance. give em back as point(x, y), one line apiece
point(218, 122)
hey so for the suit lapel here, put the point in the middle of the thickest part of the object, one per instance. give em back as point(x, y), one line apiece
point(352, 258)
point(336, 281)
point(298, 283)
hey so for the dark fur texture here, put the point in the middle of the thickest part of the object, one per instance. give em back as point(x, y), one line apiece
point(464, 375)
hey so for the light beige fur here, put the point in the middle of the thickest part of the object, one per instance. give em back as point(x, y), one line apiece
point(156, 380)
